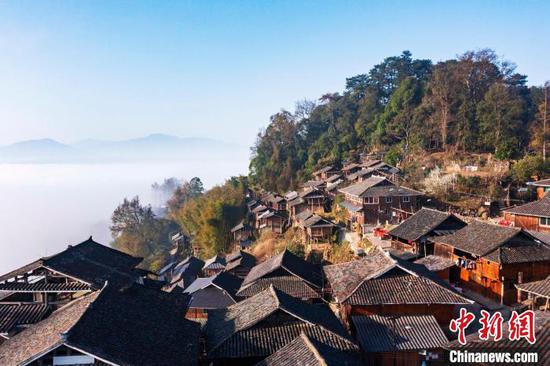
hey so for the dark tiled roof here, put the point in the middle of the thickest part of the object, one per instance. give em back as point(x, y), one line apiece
point(333, 178)
point(539, 288)
point(540, 236)
point(323, 170)
point(359, 189)
point(351, 166)
point(291, 285)
point(89, 262)
point(296, 266)
point(379, 279)
point(216, 262)
point(435, 263)
point(12, 315)
point(44, 335)
point(296, 201)
point(378, 333)
point(44, 287)
point(541, 346)
point(535, 208)
point(202, 295)
point(317, 221)
point(422, 223)
point(344, 278)
point(351, 206)
point(239, 226)
point(497, 243)
point(311, 192)
point(186, 271)
point(307, 351)
point(238, 331)
point(240, 257)
point(125, 327)
point(304, 215)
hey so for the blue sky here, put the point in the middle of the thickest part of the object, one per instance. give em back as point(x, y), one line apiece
point(73, 70)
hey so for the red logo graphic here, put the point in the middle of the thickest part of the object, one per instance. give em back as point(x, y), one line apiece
point(459, 325)
point(491, 326)
point(522, 326)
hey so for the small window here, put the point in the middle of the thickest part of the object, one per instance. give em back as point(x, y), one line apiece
point(544, 221)
point(371, 200)
point(389, 199)
point(406, 199)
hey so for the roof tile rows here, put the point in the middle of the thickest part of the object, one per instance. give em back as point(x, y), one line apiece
point(422, 223)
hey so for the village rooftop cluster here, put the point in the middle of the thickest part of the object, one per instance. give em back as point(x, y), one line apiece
point(390, 305)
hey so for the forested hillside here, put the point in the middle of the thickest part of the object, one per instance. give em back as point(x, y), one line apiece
point(476, 103)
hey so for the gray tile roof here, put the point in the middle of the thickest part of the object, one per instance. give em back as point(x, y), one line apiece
point(215, 292)
point(497, 243)
point(379, 279)
point(216, 262)
point(307, 351)
point(378, 333)
point(539, 288)
point(540, 208)
point(89, 262)
point(262, 324)
point(44, 287)
point(541, 183)
point(290, 263)
point(291, 285)
point(125, 327)
point(360, 188)
point(542, 237)
point(435, 263)
point(325, 169)
point(422, 223)
point(377, 186)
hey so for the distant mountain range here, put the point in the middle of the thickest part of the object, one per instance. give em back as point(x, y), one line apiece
point(151, 147)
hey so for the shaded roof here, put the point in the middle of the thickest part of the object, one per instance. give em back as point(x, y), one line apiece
point(379, 279)
point(351, 166)
point(499, 244)
point(541, 183)
point(187, 270)
point(377, 333)
point(240, 258)
point(13, 315)
point(295, 201)
point(311, 192)
point(333, 178)
point(126, 327)
point(296, 266)
point(542, 237)
point(224, 281)
point(540, 208)
point(541, 346)
point(239, 226)
point(238, 332)
point(539, 288)
point(216, 262)
point(422, 223)
point(89, 262)
point(323, 170)
point(435, 263)
point(317, 221)
point(308, 351)
point(360, 188)
point(291, 285)
point(304, 215)
point(351, 206)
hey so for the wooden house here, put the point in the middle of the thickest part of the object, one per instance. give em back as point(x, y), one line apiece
point(30, 293)
point(324, 173)
point(491, 259)
point(214, 265)
point(184, 273)
point(308, 351)
point(542, 187)
point(400, 340)
point(310, 199)
point(350, 169)
point(288, 273)
point(257, 327)
point(536, 295)
point(239, 263)
point(272, 221)
point(378, 200)
point(315, 229)
point(112, 326)
point(531, 216)
point(275, 201)
point(242, 235)
point(209, 293)
point(378, 284)
point(415, 234)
